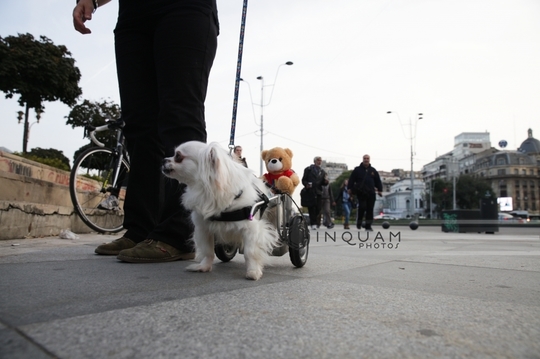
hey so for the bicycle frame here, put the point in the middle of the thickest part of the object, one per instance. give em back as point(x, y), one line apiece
point(119, 151)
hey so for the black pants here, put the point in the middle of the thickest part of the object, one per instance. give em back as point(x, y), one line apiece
point(315, 212)
point(163, 64)
point(365, 208)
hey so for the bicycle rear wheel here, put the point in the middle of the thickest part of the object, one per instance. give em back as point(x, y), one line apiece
point(98, 203)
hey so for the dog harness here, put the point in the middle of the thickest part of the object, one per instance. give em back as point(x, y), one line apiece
point(243, 213)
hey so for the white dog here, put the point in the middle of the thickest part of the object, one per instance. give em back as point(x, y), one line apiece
point(220, 188)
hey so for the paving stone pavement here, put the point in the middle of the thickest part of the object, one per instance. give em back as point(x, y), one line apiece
point(424, 294)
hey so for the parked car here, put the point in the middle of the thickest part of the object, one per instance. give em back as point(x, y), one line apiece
point(385, 217)
point(508, 218)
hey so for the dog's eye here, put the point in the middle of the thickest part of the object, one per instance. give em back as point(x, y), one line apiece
point(280, 159)
point(178, 157)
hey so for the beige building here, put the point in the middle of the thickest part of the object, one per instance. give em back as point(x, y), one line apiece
point(511, 173)
point(333, 169)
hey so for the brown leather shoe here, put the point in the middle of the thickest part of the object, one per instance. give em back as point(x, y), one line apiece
point(150, 251)
point(114, 247)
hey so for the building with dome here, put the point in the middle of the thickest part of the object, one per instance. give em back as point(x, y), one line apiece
point(512, 174)
point(531, 146)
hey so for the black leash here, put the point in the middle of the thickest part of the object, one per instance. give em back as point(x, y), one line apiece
point(238, 71)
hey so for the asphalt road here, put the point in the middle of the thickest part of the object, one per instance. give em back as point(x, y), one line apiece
point(396, 294)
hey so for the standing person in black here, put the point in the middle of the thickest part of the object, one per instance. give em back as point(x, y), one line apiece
point(164, 52)
point(313, 179)
point(364, 182)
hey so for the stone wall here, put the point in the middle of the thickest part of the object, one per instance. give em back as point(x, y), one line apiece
point(35, 200)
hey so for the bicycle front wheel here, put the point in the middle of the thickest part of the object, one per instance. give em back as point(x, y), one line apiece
point(96, 197)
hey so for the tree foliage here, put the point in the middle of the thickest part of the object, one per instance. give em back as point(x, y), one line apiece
point(95, 114)
point(38, 71)
point(442, 196)
point(470, 190)
point(50, 157)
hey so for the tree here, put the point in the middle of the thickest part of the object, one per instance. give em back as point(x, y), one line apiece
point(95, 114)
point(470, 191)
point(50, 157)
point(38, 71)
point(442, 196)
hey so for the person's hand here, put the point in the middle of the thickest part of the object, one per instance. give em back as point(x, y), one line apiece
point(82, 12)
point(379, 193)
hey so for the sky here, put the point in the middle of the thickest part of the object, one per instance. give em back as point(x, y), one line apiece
point(466, 65)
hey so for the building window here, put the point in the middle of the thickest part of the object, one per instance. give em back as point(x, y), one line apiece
point(516, 171)
point(517, 183)
point(501, 172)
point(524, 172)
point(501, 161)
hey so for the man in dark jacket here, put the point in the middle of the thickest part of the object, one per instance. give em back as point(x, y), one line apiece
point(364, 182)
point(313, 179)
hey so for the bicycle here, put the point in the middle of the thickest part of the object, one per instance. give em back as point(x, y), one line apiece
point(97, 181)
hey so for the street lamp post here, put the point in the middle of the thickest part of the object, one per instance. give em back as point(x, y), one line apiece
point(411, 138)
point(27, 125)
point(454, 170)
point(262, 104)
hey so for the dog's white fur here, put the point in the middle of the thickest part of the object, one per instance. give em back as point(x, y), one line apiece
point(213, 180)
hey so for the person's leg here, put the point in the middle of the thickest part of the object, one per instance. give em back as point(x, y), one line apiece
point(138, 95)
point(183, 49)
point(319, 211)
point(347, 213)
point(370, 204)
point(325, 210)
point(183, 66)
point(312, 210)
point(362, 204)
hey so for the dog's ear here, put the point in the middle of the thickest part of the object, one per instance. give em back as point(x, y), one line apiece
point(216, 166)
point(263, 154)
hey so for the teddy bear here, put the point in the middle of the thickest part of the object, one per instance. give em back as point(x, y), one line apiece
point(278, 162)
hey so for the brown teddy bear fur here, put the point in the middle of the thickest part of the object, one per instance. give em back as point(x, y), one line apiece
point(278, 162)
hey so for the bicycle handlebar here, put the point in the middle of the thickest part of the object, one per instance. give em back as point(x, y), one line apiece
point(111, 125)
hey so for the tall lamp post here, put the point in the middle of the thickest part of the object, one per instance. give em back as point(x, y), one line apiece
point(411, 138)
point(27, 126)
point(262, 104)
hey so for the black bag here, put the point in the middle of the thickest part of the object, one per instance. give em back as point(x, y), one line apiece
point(308, 197)
point(361, 190)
